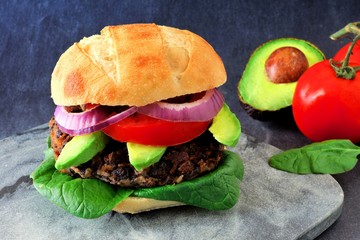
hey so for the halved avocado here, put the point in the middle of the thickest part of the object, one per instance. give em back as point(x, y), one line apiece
point(262, 97)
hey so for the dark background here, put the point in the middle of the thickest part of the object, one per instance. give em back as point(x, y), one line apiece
point(35, 33)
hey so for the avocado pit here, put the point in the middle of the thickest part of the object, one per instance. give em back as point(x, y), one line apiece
point(286, 65)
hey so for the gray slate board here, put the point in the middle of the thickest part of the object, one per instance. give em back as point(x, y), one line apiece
point(273, 204)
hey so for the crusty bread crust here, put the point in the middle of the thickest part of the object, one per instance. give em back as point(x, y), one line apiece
point(135, 64)
point(135, 205)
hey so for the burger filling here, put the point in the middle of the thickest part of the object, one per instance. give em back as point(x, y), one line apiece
point(179, 163)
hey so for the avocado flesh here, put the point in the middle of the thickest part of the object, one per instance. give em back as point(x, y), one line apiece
point(81, 149)
point(226, 127)
point(142, 156)
point(256, 91)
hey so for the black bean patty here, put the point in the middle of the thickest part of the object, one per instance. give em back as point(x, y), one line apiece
point(179, 163)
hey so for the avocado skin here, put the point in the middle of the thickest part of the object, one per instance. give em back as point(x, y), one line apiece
point(281, 112)
point(282, 115)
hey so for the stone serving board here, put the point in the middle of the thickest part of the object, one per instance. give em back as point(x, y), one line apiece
point(273, 204)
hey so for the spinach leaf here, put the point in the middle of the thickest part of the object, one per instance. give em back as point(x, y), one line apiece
point(92, 198)
point(329, 157)
point(218, 190)
point(86, 198)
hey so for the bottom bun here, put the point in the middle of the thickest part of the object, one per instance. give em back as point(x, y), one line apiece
point(135, 205)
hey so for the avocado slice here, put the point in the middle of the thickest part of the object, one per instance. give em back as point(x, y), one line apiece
point(226, 127)
point(268, 82)
point(81, 149)
point(142, 156)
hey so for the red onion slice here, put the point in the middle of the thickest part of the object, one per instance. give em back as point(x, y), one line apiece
point(201, 110)
point(89, 121)
point(80, 120)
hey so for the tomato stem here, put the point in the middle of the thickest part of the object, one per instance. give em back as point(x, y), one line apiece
point(347, 56)
point(350, 28)
point(342, 69)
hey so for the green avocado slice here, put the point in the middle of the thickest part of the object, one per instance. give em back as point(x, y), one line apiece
point(81, 149)
point(256, 92)
point(226, 127)
point(142, 156)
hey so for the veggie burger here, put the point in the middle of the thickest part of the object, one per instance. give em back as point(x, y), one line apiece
point(140, 125)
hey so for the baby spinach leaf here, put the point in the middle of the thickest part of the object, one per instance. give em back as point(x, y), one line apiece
point(86, 198)
point(92, 198)
point(218, 190)
point(328, 157)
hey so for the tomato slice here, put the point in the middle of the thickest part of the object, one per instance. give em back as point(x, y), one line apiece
point(139, 128)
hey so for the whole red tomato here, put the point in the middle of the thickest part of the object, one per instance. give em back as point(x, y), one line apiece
point(355, 55)
point(326, 106)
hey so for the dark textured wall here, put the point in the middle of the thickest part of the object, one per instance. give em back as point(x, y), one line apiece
point(35, 33)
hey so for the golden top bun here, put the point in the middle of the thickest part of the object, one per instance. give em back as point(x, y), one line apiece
point(135, 64)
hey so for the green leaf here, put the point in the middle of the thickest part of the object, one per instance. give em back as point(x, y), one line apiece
point(92, 198)
point(218, 190)
point(328, 157)
point(85, 198)
point(48, 141)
